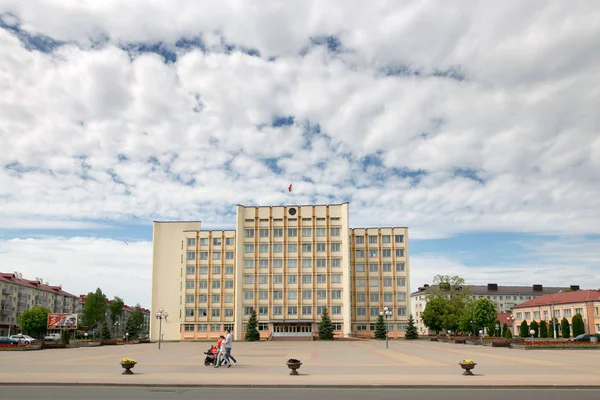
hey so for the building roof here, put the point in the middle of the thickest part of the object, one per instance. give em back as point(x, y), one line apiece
point(495, 289)
point(579, 296)
point(504, 318)
point(15, 278)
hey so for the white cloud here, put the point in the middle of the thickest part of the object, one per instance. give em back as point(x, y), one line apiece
point(82, 264)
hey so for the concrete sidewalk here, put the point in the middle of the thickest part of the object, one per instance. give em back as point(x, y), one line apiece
point(331, 364)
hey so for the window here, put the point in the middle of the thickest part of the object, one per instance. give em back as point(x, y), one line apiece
point(321, 247)
point(335, 247)
point(202, 270)
point(228, 298)
point(373, 282)
point(372, 239)
point(568, 312)
point(307, 294)
point(277, 295)
point(216, 241)
point(321, 294)
point(277, 263)
point(215, 312)
point(321, 278)
point(189, 312)
point(248, 263)
point(277, 278)
point(336, 310)
point(216, 284)
point(360, 297)
point(373, 267)
point(579, 311)
point(202, 327)
point(359, 239)
point(374, 297)
point(263, 310)
point(306, 278)
point(263, 294)
point(191, 255)
point(188, 327)
point(306, 263)
point(203, 284)
point(373, 253)
point(191, 241)
point(335, 231)
point(374, 311)
point(386, 239)
point(263, 233)
point(388, 297)
point(190, 284)
point(400, 267)
point(336, 294)
point(229, 242)
point(292, 248)
point(336, 262)
point(519, 315)
point(249, 233)
point(216, 270)
point(229, 269)
point(189, 298)
point(203, 255)
point(229, 284)
point(321, 262)
point(292, 279)
point(278, 232)
point(336, 278)
point(293, 310)
point(248, 279)
point(203, 241)
point(401, 281)
point(320, 310)
point(536, 315)
point(399, 238)
point(202, 312)
point(360, 283)
point(248, 310)
point(387, 282)
point(321, 232)
point(361, 311)
point(277, 248)
point(263, 263)
point(306, 310)
point(292, 232)
point(229, 312)
point(263, 248)
point(229, 255)
point(360, 253)
point(399, 252)
point(359, 267)
point(386, 253)
point(401, 311)
point(263, 279)
point(400, 296)
point(202, 298)
point(248, 248)
point(292, 263)
point(306, 247)
point(306, 232)
point(277, 310)
point(292, 295)
point(190, 270)
point(556, 313)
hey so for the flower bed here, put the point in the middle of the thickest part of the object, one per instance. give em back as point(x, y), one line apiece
point(16, 347)
point(560, 343)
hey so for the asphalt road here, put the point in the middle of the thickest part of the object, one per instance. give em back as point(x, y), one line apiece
point(165, 393)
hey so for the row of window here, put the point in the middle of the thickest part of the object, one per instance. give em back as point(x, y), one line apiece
point(204, 327)
point(262, 310)
point(292, 232)
point(372, 327)
point(362, 311)
point(319, 219)
point(567, 313)
point(293, 248)
point(293, 263)
point(293, 279)
point(217, 241)
point(306, 294)
point(306, 278)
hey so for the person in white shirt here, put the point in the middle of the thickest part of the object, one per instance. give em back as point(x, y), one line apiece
point(228, 343)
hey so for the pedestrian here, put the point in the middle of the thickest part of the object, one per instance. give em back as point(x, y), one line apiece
point(221, 355)
point(228, 343)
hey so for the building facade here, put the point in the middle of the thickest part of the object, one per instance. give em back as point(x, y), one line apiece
point(18, 295)
point(561, 305)
point(504, 297)
point(287, 263)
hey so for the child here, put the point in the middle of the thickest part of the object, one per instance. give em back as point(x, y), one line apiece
point(221, 353)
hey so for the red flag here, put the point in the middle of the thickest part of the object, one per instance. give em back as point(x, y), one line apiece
point(290, 188)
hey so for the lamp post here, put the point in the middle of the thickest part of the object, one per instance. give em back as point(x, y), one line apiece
point(126, 336)
point(386, 313)
point(510, 319)
point(115, 329)
point(160, 314)
point(532, 332)
point(481, 335)
point(473, 327)
point(85, 335)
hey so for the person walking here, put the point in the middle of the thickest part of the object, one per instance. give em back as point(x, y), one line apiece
point(228, 343)
point(221, 355)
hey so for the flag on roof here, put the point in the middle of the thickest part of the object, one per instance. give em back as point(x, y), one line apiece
point(290, 188)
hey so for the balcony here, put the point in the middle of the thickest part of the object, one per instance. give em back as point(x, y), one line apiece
point(7, 291)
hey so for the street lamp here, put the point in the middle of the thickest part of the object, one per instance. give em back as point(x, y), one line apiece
point(160, 314)
point(115, 329)
point(386, 313)
point(473, 327)
point(510, 319)
point(481, 334)
point(86, 335)
point(126, 336)
point(532, 332)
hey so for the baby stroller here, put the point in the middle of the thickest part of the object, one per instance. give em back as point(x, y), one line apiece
point(210, 357)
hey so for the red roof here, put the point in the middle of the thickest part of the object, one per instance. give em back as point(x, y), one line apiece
point(504, 318)
point(579, 296)
point(13, 278)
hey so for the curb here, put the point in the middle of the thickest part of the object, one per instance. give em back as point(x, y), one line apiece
point(305, 386)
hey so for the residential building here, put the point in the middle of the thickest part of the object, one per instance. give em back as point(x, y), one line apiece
point(19, 294)
point(561, 305)
point(287, 263)
point(504, 297)
point(117, 328)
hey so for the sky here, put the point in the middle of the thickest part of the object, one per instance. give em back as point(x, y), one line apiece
point(473, 123)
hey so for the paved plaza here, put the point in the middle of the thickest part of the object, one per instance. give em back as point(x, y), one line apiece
point(360, 363)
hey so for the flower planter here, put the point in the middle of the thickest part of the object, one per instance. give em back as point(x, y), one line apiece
point(293, 364)
point(467, 367)
point(433, 339)
point(108, 342)
point(128, 366)
point(460, 341)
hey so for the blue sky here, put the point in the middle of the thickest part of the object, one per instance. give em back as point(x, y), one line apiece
point(474, 126)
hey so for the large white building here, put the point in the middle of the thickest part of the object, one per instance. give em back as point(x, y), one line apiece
point(288, 263)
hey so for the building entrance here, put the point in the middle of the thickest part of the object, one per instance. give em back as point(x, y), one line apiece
point(282, 329)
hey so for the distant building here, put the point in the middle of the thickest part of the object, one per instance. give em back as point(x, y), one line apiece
point(561, 305)
point(117, 328)
point(19, 294)
point(505, 298)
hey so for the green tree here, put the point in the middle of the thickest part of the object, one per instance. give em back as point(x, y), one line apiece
point(115, 309)
point(135, 322)
point(411, 329)
point(65, 336)
point(565, 328)
point(504, 329)
point(535, 327)
point(543, 329)
point(578, 325)
point(380, 328)
point(508, 333)
point(105, 334)
point(434, 315)
point(94, 309)
point(524, 329)
point(495, 332)
point(34, 321)
point(553, 328)
point(484, 313)
point(252, 333)
point(325, 326)
point(453, 298)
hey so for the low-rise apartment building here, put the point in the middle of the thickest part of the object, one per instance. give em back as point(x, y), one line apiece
point(505, 298)
point(561, 305)
point(117, 327)
point(19, 294)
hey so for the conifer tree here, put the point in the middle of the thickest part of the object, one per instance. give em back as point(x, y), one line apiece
point(411, 329)
point(325, 326)
point(543, 329)
point(380, 328)
point(252, 333)
point(566, 329)
point(524, 329)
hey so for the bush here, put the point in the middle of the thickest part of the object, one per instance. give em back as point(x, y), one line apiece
point(566, 329)
point(508, 333)
point(524, 329)
point(578, 325)
point(65, 337)
point(543, 329)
